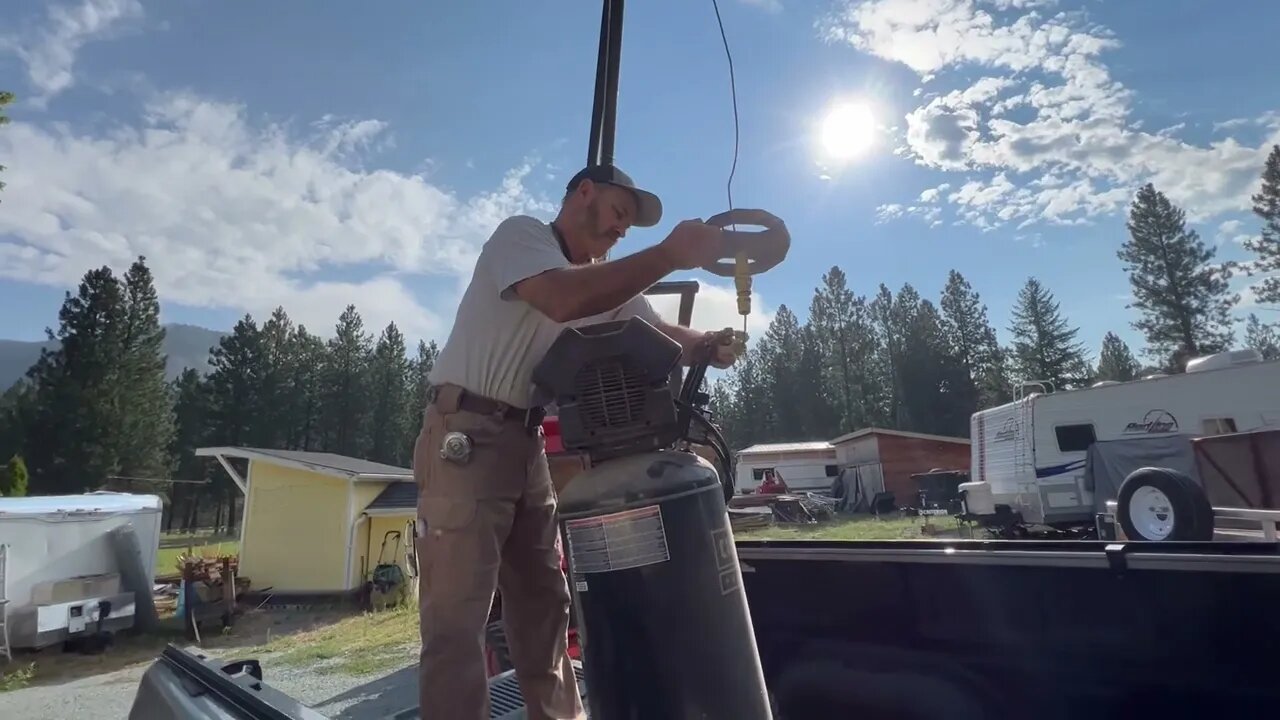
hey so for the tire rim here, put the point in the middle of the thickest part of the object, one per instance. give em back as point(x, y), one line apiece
point(1151, 513)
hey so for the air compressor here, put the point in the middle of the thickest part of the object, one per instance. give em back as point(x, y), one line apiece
point(663, 623)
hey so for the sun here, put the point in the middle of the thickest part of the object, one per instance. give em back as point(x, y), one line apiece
point(848, 130)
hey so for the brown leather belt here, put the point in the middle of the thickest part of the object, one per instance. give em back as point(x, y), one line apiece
point(530, 418)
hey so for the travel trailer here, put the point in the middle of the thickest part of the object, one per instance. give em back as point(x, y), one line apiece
point(1030, 454)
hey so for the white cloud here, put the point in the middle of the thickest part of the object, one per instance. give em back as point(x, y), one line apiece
point(716, 307)
point(893, 211)
point(49, 50)
point(233, 215)
point(1073, 150)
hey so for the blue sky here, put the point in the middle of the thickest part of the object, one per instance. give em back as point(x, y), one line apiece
point(310, 155)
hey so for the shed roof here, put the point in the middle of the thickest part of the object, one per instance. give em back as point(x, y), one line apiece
point(776, 448)
point(898, 433)
point(396, 496)
point(321, 462)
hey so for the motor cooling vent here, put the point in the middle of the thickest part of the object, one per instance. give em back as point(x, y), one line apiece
point(610, 384)
point(610, 394)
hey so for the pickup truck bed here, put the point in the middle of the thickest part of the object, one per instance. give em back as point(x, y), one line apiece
point(955, 629)
point(1004, 629)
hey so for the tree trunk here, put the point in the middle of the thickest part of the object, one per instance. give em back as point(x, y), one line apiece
point(231, 513)
point(193, 512)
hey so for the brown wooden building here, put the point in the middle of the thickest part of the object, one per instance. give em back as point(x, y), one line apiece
point(895, 455)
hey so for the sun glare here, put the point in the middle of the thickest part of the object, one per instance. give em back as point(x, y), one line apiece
point(848, 130)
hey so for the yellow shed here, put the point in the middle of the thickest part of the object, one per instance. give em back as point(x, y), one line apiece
point(315, 523)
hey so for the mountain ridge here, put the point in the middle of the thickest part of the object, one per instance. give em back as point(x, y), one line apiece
point(185, 346)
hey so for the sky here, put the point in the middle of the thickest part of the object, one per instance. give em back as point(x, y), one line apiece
point(313, 155)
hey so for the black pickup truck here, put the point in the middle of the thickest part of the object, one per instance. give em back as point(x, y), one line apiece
point(936, 629)
point(932, 629)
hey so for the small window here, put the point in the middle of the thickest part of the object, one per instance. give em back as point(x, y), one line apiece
point(833, 470)
point(758, 473)
point(1075, 438)
point(1219, 426)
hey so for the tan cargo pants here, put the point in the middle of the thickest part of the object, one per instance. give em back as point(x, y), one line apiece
point(490, 522)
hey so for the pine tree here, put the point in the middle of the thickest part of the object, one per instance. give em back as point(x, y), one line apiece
point(17, 415)
point(750, 418)
point(1044, 345)
point(849, 348)
point(1115, 361)
point(346, 386)
point(821, 418)
point(146, 409)
point(1266, 205)
point(780, 352)
point(1263, 338)
point(936, 394)
point(972, 342)
point(422, 366)
point(72, 443)
point(1184, 300)
point(723, 408)
point(306, 400)
point(14, 480)
point(390, 416)
point(886, 314)
point(192, 405)
point(277, 394)
point(235, 385)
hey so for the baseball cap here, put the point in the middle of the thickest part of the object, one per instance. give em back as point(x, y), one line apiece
point(648, 206)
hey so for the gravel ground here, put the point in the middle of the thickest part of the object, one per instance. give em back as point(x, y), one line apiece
point(109, 696)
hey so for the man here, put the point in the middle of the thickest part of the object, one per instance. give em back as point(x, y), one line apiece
point(490, 519)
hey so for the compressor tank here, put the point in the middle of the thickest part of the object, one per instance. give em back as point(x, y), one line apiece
point(662, 615)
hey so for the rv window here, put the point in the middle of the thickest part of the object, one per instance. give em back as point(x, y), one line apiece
point(833, 470)
point(1075, 438)
point(758, 473)
point(1219, 426)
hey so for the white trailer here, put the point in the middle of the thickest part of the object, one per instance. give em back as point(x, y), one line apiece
point(62, 578)
point(1030, 453)
point(804, 466)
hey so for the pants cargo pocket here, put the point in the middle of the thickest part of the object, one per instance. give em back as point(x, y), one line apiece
point(458, 551)
point(443, 515)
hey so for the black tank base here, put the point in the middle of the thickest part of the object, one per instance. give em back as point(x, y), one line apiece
point(662, 615)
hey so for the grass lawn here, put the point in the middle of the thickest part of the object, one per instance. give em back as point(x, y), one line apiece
point(174, 545)
point(857, 528)
point(355, 645)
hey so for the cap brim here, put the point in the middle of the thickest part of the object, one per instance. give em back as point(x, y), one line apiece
point(648, 208)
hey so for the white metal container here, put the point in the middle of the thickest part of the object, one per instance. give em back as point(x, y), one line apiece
point(56, 538)
point(978, 499)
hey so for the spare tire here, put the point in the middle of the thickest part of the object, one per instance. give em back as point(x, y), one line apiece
point(1158, 504)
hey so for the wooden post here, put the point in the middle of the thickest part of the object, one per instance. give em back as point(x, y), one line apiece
point(228, 592)
point(189, 600)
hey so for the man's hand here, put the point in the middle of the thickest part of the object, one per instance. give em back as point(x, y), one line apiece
point(693, 244)
point(726, 347)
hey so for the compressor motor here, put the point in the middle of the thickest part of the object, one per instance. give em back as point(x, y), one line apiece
point(662, 615)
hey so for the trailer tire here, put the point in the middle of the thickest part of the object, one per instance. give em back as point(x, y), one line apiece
point(1160, 504)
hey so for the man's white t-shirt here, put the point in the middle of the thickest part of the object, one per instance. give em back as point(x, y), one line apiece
point(497, 338)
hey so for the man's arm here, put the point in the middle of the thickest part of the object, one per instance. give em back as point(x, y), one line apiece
point(573, 293)
point(689, 339)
